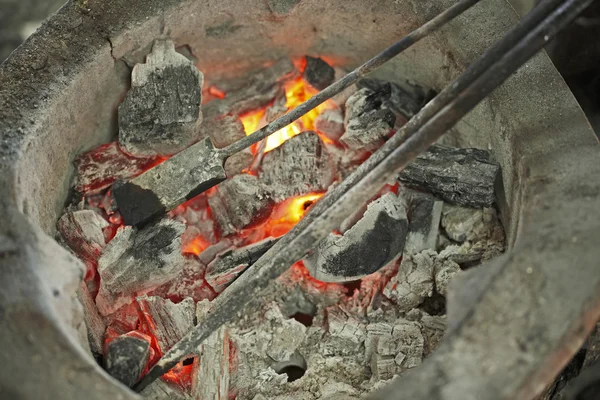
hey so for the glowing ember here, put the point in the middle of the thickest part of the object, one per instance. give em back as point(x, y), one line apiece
point(195, 246)
point(296, 93)
point(289, 213)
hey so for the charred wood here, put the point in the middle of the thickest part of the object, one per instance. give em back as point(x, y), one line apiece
point(168, 322)
point(318, 73)
point(161, 112)
point(463, 177)
point(126, 358)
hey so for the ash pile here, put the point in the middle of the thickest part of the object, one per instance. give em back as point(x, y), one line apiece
point(364, 306)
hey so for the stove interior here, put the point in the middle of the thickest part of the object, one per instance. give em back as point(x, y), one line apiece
point(364, 306)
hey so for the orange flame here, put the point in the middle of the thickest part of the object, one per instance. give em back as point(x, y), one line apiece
point(296, 93)
point(289, 213)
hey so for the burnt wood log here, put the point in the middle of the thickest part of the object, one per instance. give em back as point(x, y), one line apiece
point(464, 177)
point(161, 112)
point(299, 166)
point(126, 358)
point(231, 263)
point(318, 73)
point(240, 202)
point(136, 261)
point(372, 242)
point(168, 322)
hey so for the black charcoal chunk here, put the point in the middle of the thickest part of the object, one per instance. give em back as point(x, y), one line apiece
point(424, 215)
point(405, 99)
point(138, 260)
point(367, 122)
point(126, 358)
point(240, 202)
point(228, 265)
point(161, 112)
point(299, 166)
point(375, 240)
point(318, 73)
point(463, 177)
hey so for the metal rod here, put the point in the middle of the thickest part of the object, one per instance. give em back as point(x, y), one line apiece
point(338, 86)
point(325, 218)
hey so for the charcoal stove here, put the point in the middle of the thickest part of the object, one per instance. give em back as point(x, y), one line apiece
point(512, 324)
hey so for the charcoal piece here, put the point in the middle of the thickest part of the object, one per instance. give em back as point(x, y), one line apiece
point(468, 224)
point(346, 333)
point(162, 188)
point(410, 344)
point(161, 390)
point(239, 202)
point(277, 109)
point(211, 374)
point(424, 215)
point(463, 177)
point(318, 73)
point(100, 167)
point(161, 112)
point(367, 122)
point(82, 231)
point(413, 282)
point(299, 166)
point(231, 263)
point(253, 91)
point(223, 131)
point(375, 240)
point(168, 322)
point(432, 328)
point(330, 123)
point(136, 261)
point(126, 358)
point(405, 98)
point(93, 321)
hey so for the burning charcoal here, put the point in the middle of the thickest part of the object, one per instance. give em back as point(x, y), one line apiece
point(405, 99)
point(299, 166)
point(189, 283)
point(126, 358)
point(82, 232)
point(100, 167)
point(367, 123)
point(463, 177)
point(424, 214)
point(277, 109)
point(346, 333)
point(136, 261)
point(239, 202)
point(161, 112)
point(413, 282)
point(252, 92)
point(231, 263)
point(330, 123)
point(375, 240)
point(93, 321)
point(161, 390)
point(168, 322)
point(224, 131)
point(318, 73)
point(211, 374)
point(444, 271)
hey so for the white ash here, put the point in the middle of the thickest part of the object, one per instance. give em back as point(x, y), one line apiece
point(136, 261)
point(161, 390)
point(414, 281)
